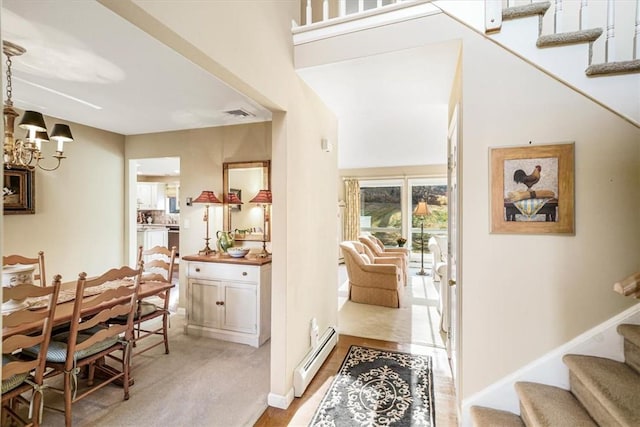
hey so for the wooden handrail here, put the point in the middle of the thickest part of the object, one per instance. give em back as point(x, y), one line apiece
point(629, 286)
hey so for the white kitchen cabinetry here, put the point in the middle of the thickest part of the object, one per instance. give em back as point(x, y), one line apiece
point(149, 237)
point(229, 299)
point(151, 195)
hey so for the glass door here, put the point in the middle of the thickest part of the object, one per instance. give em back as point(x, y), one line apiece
point(381, 210)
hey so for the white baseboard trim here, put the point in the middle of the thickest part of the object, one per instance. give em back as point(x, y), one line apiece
point(280, 401)
point(603, 340)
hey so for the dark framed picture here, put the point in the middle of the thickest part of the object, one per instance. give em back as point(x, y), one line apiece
point(532, 189)
point(18, 191)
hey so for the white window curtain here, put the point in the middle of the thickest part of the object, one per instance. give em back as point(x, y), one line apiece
point(352, 209)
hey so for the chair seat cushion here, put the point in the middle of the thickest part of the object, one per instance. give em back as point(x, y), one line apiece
point(146, 308)
point(14, 380)
point(57, 352)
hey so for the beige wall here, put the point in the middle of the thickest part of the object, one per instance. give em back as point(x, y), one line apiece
point(78, 221)
point(543, 290)
point(201, 153)
point(248, 45)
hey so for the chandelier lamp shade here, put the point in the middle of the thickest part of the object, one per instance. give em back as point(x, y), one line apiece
point(422, 211)
point(207, 198)
point(263, 198)
point(233, 199)
point(27, 152)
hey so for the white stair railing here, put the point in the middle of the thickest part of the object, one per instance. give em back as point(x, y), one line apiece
point(621, 41)
point(347, 7)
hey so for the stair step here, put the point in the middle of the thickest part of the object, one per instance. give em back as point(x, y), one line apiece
point(525, 10)
point(608, 68)
point(631, 335)
point(607, 388)
point(561, 39)
point(489, 417)
point(548, 406)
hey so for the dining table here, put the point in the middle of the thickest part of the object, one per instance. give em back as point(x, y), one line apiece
point(66, 298)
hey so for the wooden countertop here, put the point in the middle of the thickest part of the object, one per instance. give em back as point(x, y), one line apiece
point(250, 259)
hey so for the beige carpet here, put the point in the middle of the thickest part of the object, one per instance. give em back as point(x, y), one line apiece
point(417, 322)
point(203, 381)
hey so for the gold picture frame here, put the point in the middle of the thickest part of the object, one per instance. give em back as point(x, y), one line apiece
point(532, 189)
point(18, 191)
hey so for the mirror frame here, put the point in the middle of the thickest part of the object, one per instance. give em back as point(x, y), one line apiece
point(266, 177)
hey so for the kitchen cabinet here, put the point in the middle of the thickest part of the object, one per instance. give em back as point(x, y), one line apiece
point(149, 237)
point(229, 298)
point(151, 195)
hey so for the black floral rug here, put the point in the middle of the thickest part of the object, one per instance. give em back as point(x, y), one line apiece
point(379, 388)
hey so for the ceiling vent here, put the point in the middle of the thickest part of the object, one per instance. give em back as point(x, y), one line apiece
point(239, 113)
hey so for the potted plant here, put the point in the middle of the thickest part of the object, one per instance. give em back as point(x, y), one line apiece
point(401, 241)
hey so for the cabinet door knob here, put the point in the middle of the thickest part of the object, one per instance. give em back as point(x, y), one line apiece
point(244, 273)
point(197, 269)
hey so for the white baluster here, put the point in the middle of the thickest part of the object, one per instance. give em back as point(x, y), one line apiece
point(379, 3)
point(360, 5)
point(308, 14)
point(342, 7)
point(636, 34)
point(583, 15)
point(557, 18)
point(609, 47)
point(492, 15)
point(325, 10)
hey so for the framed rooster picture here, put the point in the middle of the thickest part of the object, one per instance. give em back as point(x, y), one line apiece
point(532, 189)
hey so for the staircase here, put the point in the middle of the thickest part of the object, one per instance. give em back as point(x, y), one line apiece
point(603, 392)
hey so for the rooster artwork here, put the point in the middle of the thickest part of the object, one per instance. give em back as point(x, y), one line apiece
point(520, 176)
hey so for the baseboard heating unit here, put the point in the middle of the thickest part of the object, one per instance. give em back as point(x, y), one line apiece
point(309, 366)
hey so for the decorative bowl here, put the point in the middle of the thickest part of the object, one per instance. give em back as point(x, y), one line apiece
point(237, 252)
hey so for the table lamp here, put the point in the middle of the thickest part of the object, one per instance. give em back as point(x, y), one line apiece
point(263, 198)
point(207, 197)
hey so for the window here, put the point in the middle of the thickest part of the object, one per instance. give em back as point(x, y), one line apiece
point(434, 192)
point(381, 210)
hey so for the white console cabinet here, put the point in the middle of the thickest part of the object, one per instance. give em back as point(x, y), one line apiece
point(229, 298)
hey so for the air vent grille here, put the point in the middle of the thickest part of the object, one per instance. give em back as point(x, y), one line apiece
point(239, 113)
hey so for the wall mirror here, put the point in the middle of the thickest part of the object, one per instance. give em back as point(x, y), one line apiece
point(245, 180)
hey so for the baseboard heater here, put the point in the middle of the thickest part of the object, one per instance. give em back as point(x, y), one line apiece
point(309, 366)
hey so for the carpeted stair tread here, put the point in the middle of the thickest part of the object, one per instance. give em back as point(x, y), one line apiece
point(607, 388)
point(561, 39)
point(489, 417)
point(631, 335)
point(618, 67)
point(630, 332)
point(544, 405)
point(525, 10)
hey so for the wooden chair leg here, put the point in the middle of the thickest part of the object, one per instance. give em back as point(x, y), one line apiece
point(165, 332)
point(67, 399)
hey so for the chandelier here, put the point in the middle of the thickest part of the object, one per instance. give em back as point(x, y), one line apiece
point(27, 152)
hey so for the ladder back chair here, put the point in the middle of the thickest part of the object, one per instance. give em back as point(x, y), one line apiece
point(22, 375)
point(39, 274)
point(92, 339)
point(158, 264)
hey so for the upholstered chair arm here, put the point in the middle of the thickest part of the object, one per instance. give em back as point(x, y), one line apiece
point(382, 269)
point(398, 262)
point(404, 251)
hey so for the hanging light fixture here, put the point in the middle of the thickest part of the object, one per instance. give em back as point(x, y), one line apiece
point(27, 152)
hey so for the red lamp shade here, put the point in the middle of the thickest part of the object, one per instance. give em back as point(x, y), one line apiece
point(263, 197)
point(233, 199)
point(208, 197)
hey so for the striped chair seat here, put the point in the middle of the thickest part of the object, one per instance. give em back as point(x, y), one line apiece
point(57, 351)
point(15, 380)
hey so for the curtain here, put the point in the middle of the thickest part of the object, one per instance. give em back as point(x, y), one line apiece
point(352, 209)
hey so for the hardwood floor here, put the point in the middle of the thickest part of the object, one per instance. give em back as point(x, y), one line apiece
point(302, 409)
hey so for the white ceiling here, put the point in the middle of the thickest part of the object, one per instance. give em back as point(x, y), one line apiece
point(88, 65)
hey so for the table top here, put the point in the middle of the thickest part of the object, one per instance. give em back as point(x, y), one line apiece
point(227, 259)
point(64, 310)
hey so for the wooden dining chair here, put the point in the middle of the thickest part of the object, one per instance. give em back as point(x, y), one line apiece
point(39, 275)
point(23, 375)
point(158, 263)
point(92, 339)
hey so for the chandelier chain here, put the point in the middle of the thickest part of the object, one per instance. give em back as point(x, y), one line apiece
point(9, 87)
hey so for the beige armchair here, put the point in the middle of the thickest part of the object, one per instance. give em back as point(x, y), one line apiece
point(377, 284)
point(375, 245)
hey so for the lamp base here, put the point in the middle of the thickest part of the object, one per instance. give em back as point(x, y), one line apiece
point(264, 253)
point(207, 250)
point(421, 273)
